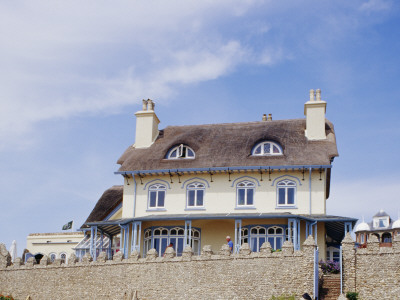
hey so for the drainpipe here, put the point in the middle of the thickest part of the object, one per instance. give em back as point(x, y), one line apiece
point(310, 187)
point(134, 196)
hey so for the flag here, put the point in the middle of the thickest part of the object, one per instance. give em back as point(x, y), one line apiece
point(67, 226)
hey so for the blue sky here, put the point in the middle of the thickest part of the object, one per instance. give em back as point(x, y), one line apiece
point(72, 75)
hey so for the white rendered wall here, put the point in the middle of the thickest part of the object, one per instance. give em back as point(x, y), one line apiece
point(220, 195)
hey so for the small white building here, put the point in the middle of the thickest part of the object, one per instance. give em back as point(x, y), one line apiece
point(381, 226)
point(55, 245)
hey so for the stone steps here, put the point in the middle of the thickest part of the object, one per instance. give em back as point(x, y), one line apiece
point(330, 289)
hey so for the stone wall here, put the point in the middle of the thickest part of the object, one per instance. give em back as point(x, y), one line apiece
point(209, 276)
point(373, 272)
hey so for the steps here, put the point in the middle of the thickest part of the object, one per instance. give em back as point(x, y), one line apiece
point(330, 289)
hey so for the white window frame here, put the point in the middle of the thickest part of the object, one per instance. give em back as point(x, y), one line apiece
point(55, 257)
point(157, 188)
point(66, 257)
point(284, 184)
point(195, 186)
point(182, 152)
point(261, 146)
point(248, 185)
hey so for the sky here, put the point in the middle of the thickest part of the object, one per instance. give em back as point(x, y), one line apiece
point(73, 73)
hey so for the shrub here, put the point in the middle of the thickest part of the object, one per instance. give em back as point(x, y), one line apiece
point(330, 267)
point(352, 295)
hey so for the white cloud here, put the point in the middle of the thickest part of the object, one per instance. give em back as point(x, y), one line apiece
point(375, 5)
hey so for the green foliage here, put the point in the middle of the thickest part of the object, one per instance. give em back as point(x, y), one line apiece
point(283, 297)
point(352, 295)
point(2, 297)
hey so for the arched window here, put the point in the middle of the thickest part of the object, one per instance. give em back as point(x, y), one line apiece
point(386, 237)
point(195, 195)
point(275, 237)
point(286, 193)
point(63, 257)
point(180, 152)
point(157, 196)
point(267, 148)
point(245, 193)
point(159, 238)
point(52, 257)
point(258, 235)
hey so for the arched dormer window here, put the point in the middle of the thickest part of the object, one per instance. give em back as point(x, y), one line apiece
point(267, 148)
point(180, 152)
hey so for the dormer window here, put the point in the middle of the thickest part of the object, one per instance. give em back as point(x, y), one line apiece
point(181, 152)
point(267, 148)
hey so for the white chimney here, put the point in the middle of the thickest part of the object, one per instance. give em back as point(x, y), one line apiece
point(146, 125)
point(315, 110)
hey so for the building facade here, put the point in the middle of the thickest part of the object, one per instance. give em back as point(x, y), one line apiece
point(58, 245)
point(258, 182)
point(381, 226)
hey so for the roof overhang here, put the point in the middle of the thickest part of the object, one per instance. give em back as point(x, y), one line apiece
point(224, 169)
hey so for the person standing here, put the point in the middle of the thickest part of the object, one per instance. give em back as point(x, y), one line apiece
point(230, 243)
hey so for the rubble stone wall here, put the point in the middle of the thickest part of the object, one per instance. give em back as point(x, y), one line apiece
point(373, 272)
point(208, 276)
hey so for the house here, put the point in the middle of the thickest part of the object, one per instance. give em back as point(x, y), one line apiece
point(381, 226)
point(59, 245)
point(260, 181)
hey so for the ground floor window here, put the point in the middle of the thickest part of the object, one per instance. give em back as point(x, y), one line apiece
point(256, 235)
point(160, 237)
point(333, 253)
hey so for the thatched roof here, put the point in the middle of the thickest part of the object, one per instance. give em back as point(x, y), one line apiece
point(230, 145)
point(110, 199)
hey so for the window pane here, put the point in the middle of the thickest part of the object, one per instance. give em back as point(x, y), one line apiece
point(161, 196)
point(279, 231)
point(241, 196)
point(153, 199)
point(267, 148)
point(290, 195)
point(275, 149)
point(190, 153)
point(271, 231)
point(173, 154)
point(261, 231)
point(278, 242)
point(271, 240)
point(254, 231)
point(200, 198)
point(253, 245)
point(250, 196)
point(179, 249)
point(281, 196)
point(260, 242)
point(163, 245)
point(191, 198)
point(257, 150)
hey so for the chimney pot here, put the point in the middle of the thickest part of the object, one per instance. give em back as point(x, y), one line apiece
point(144, 105)
point(312, 95)
point(318, 92)
point(264, 117)
point(269, 117)
point(150, 104)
